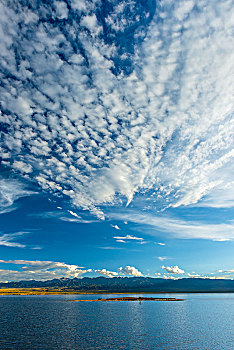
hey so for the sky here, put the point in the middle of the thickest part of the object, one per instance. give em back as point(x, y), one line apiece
point(116, 124)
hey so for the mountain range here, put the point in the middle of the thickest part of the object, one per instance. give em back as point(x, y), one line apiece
point(129, 284)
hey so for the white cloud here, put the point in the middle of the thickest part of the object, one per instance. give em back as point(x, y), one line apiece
point(41, 270)
point(74, 214)
point(183, 8)
point(120, 241)
point(22, 167)
point(196, 275)
point(90, 22)
point(61, 9)
point(170, 277)
point(107, 273)
point(173, 269)
point(116, 227)
point(163, 128)
point(128, 237)
point(217, 277)
point(130, 270)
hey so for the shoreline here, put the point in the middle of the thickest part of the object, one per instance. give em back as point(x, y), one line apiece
point(57, 291)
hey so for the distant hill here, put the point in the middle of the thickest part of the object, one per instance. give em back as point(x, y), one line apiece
point(129, 284)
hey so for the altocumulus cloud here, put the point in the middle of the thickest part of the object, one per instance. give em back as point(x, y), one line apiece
point(88, 115)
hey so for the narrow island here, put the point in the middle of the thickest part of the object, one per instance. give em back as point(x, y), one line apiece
point(140, 299)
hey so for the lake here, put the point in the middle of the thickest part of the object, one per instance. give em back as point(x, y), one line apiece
point(203, 321)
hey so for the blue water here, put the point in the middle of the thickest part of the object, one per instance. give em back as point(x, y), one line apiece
point(203, 321)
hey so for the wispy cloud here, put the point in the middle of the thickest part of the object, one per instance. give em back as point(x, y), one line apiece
point(110, 248)
point(162, 258)
point(63, 216)
point(8, 239)
point(179, 228)
point(75, 220)
point(10, 191)
point(120, 241)
point(8, 210)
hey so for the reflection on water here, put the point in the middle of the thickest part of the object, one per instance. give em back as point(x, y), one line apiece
point(44, 322)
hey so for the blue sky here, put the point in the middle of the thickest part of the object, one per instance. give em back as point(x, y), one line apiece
point(116, 139)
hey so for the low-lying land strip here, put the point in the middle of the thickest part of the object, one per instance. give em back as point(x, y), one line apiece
point(46, 291)
point(63, 291)
point(140, 299)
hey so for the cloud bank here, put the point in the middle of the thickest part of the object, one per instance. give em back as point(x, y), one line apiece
point(40, 270)
point(46, 270)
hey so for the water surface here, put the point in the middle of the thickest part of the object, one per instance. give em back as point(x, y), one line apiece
point(203, 321)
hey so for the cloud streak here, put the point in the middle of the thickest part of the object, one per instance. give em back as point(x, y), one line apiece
point(8, 239)
point(179, 228)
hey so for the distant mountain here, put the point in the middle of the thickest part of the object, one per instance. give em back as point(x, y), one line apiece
point(129, 284)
